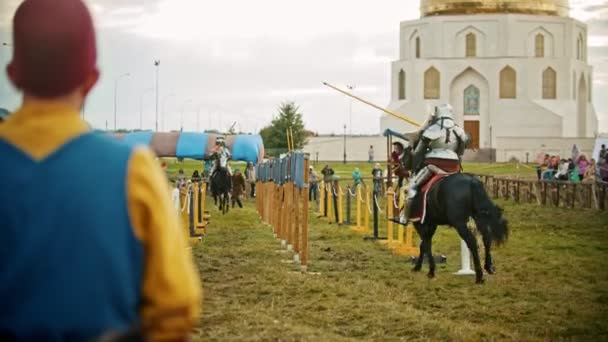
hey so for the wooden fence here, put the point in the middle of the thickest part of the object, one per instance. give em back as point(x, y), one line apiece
point(592, 195)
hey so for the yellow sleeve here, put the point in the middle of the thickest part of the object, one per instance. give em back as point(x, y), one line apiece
point(171, 291)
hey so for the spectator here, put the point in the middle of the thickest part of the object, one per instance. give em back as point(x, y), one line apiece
point(112, 255)
point(328, 174)
point(603, 170)
point(575, 152)
point(603, 153)
point(370, 154)
point(396, 156)
point(175, 197)
point(583, 164)
point(313, 180)
point(207, 169)
point(542, 167)
point(591, 172)
point(250, 175)
point(377, 175)
point(196, 177)
point(238, 187)
point(181, 178)
point(357, 178)
point(562, 170)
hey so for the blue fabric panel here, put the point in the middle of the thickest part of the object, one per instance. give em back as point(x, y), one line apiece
point(292, 167)
point(284, 170)
point(246, 148)
point(138, 138)
point(191, 145)
point(299, 177)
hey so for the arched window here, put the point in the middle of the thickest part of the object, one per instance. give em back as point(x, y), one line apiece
point(431, 84)
point(418, 52)
point(549, 84)
point(590, 87)
point(471, 45)
point(539, 45)
point(580, 53)
point(471, 100)
point(402, 85)
point(508, 83)
point(574, 85)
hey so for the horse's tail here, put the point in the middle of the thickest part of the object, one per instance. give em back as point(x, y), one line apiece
point(488, 216)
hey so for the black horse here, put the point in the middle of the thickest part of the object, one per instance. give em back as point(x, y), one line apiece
point(453, 202)
point(221, 186)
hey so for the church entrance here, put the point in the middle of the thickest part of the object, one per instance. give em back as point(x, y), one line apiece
point(469, 94)
point(472, 130)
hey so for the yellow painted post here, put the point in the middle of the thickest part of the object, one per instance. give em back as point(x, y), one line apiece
point(330, 202)
point(409, 238)
point(321, 198)
point(340, 209)
point(359, 199)
point(366, 209)
point(183, 213)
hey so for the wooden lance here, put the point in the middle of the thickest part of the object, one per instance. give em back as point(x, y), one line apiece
point(389, 112)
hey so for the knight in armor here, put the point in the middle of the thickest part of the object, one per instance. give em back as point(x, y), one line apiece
point(220, 152)
point(438, 151)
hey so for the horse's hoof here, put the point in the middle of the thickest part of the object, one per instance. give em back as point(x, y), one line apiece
point(479, 281)
point(490, 269)
point(416, 269)
point(431, 275)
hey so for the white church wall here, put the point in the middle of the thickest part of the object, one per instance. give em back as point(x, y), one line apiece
point(517, 147)
point(332, 148)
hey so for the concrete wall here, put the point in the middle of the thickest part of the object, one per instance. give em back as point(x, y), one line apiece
point(518, 147)
point(332, 148)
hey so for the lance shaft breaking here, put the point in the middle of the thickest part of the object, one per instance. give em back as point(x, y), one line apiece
point(400, 117)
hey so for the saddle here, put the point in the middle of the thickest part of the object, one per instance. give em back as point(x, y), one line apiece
point(418, 211)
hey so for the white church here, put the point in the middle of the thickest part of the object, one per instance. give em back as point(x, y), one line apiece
point(515, 72)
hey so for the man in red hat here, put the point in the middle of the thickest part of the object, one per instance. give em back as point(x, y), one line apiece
point(90, 242)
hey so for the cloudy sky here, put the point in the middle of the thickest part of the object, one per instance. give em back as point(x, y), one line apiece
point(237, 60)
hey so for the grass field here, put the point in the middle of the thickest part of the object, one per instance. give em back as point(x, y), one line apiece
point(552, 284)
point(345, 170)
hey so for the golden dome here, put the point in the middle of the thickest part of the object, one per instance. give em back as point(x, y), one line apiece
point(451, 7)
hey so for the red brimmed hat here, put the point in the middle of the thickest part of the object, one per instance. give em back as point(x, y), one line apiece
point(54, 47)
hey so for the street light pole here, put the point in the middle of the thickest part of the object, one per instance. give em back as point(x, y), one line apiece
point(182, 116)
point(344, 143)
point(141, 108)
point(163, 109)
point(116, 95)
point(157, 65)
point(350, 109)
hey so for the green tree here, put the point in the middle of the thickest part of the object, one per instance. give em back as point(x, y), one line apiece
point(275, 135)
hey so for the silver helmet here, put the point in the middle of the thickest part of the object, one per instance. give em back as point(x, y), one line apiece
point(220, 140)
point(444, 111)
